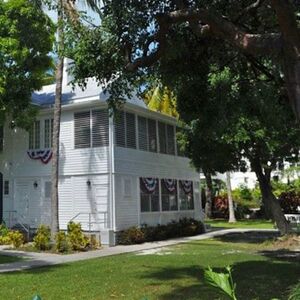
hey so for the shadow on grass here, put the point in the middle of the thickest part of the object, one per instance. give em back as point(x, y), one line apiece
point(261, 280)
point(248, 237)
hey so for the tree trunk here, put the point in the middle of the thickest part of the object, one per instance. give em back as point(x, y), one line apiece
point(232, 218)
point(56, 126)
point(208, 194)
point(271, 200)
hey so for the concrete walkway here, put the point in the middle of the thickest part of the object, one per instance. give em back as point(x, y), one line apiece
point(34, 260)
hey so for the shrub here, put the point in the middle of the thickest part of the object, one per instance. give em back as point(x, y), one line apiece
point(78, 241)
point(4, 240)
point(61, 242)
point(132, 235)
point(16, 238)
point(184, 227)
point(42, 238)
point(220, 206)
point(289, 202)
point(3, 230)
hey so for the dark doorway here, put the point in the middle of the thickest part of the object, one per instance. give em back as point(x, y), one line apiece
point(1, 198)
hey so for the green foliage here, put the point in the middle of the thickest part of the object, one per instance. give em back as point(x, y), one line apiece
point(42, 238)
point(61, 242)
point(16, 238)
point(183, 227)
point(3, 230)
point(221, 281)
point(247, 197)
point(295, 292)
point(27, 36)
point(78, 241)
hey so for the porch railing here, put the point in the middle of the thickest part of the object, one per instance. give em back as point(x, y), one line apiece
point(14, 219)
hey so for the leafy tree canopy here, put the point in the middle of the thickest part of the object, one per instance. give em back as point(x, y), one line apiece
point(26, 38)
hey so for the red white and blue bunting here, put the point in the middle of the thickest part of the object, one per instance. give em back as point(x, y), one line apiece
point(170, 184)
point(187, 186)
point(150, 184)
point(43, 155)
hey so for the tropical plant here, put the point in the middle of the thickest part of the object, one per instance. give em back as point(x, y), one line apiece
point(221, 281)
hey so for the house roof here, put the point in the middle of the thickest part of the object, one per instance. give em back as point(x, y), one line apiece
point(46, 96)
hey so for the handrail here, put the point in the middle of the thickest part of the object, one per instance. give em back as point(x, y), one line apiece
point(18, 217)
point(90, 222)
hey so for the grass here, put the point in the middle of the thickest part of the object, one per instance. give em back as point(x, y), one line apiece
point(8, 259)
point(178, 274)
point(254, 224)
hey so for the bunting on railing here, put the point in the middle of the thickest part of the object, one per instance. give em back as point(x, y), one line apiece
point(187, 186)
point(43, 155)
point(170, 184)
point(150, 184)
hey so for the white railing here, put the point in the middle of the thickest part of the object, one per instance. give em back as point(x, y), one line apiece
point(89, 219)
point(16, 219)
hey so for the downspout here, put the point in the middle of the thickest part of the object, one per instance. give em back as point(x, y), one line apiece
point(112, 175)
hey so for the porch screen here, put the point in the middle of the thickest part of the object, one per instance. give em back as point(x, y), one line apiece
point(142, 132)
point(169, 194)
point(170, 140)
point(186, 196)
point(130, 131)
point(162, 137)
point(149, 189)
point(152, 137)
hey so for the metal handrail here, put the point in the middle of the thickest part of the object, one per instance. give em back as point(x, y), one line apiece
point(90, 222)
point(18, 217)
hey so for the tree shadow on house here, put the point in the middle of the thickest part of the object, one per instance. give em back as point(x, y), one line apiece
point(262, 280)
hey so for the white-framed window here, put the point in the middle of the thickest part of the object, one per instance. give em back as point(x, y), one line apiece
point(48, 133)
point(35, 135)
point(149, 189)
point(186, 195)
point(169, 198)
point(91, 129)
point(6, 187)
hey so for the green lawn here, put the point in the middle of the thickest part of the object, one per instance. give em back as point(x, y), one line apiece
point(8, 259)
point(178, 274)
point(259, 224)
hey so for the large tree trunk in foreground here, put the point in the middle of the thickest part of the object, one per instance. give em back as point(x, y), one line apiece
point(232, 218)
point(208, 194)
point(56, 127)
point(271, 200)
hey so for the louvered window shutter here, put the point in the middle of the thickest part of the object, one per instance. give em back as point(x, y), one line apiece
point(82, 128)
point(162, 137)
point(170, 140)
point(100, 131)
point(152, 137)
point(120, 129)
point(142, 131)
point(130, 131)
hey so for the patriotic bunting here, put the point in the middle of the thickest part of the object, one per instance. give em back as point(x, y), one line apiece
point(43, 155)
point(170, 184)
point(150, 184)
point(187, 186)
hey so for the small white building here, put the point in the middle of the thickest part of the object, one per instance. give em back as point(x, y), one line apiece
point(114, 172)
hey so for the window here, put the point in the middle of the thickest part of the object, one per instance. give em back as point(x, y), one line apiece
point(6, 187)
point(142, 133)
point(170, 140)
point(152, 139)
point(169, 194)
point(186, 198)
point(82, 130)
point(125, 130)
point(48, 188)
point(48, 133)
point(130, 131)
point(1, 138)
point(120, 129)
point(149, 188)
point(162, 137)
point(34, 136)
point(91, 129)
point(100, 128)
